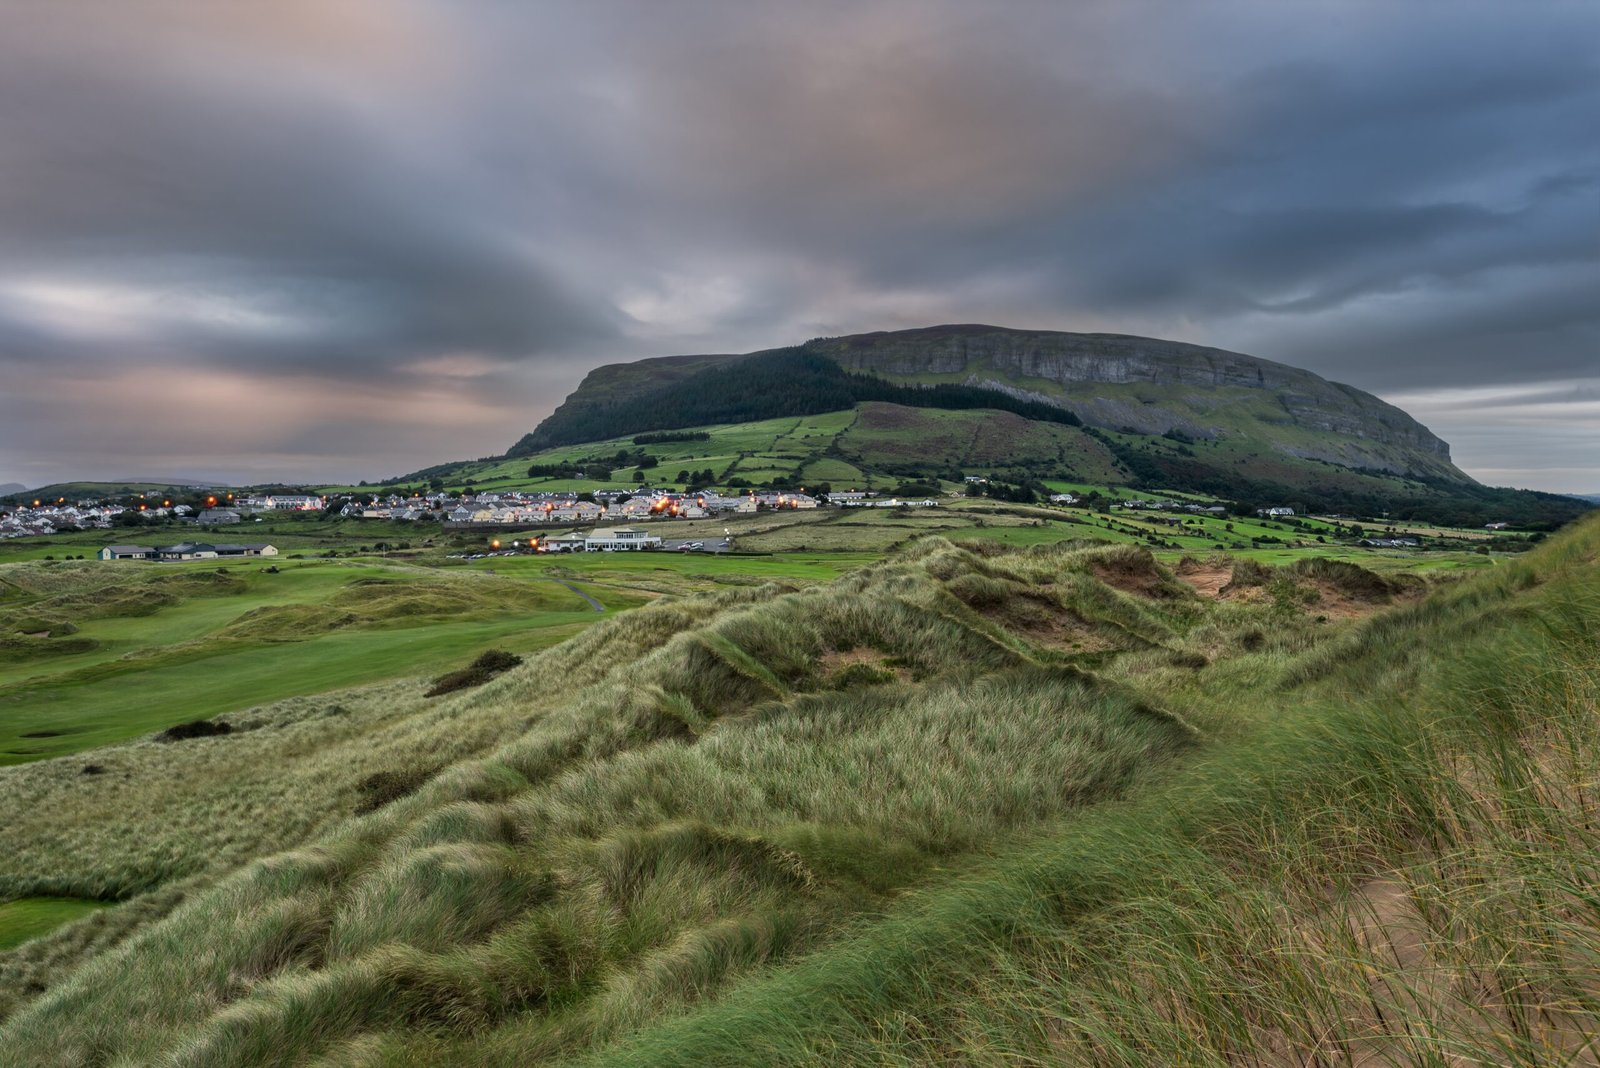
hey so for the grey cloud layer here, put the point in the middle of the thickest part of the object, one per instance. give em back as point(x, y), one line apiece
point(374, 205)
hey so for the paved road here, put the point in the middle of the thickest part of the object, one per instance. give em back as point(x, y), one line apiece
point(596, 605)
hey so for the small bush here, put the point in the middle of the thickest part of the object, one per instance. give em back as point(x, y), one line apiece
point(200, 728)
point(476, 673)
point(383, 787)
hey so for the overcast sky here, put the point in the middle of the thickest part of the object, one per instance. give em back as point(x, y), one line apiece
point(344, 239)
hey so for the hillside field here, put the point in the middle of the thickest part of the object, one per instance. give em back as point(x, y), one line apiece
point(737, 816)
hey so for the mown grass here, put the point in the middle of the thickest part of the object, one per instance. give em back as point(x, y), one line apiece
point(169, 644)
point(29, 917)
point(1093, 818)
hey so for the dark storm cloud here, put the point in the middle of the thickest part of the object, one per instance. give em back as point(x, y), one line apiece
point(414, 225)
point(237, 218)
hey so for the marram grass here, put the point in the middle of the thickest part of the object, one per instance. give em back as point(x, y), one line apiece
point(1093, 819)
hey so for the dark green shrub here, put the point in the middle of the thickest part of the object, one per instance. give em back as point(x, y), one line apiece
point(476, 673)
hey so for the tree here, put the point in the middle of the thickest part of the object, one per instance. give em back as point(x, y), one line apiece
point(638, 476)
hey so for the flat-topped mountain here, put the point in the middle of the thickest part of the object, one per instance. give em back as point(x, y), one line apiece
point(1154, 387)
point(944, 403)
point(1114, 382)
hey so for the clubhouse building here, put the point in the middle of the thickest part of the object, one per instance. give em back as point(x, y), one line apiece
point(187, 550)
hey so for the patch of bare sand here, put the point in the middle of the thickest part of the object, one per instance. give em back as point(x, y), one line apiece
point(1207, 581)
point(839, 660)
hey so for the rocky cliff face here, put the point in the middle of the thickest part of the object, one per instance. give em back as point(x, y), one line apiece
point(1153, 386)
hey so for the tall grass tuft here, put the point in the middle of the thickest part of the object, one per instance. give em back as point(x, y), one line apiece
point(1223, 834)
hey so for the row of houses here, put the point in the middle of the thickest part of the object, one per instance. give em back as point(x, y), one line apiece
point(1389, 543)
point(1172, 506)
point(281, 502)
point(54, 518)
point(187, 550)
point(512, 508)
point(891, 502)
point(567, 510)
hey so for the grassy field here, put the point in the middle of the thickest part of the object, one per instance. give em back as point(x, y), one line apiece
point(134, 648)
point(29, 917)
point(743, 825)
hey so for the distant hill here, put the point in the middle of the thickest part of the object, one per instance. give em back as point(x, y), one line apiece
point(8, 488)
point(193, 483)
point(945, 401)
point(73, 491)
point(1113, 382)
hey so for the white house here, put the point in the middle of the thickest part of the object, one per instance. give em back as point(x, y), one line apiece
point(570, 542)
point(1275, 513)
point(296, 502)
point(127, 552)
point(615, 539)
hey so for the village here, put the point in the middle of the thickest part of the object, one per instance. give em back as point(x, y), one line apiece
point(93, 513)
point(601, 519)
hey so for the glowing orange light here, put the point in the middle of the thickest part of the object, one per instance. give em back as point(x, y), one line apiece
point(166, 504)
point(142, 507)
point(495, 544)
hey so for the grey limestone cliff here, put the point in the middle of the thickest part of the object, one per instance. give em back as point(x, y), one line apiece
point(1154, 386)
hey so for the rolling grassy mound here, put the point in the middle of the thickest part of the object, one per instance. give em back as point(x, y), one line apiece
point(966, 805)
